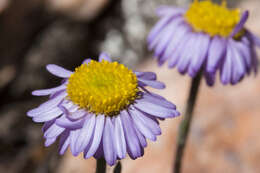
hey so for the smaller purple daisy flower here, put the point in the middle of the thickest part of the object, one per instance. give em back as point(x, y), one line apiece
point(205, 37)
point(103, 110)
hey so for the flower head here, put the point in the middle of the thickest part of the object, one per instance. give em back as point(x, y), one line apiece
point(206, 37)
point(103, 110)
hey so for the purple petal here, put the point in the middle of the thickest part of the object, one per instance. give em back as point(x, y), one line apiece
point(74, 134)
point(156, 110)
point(47, 125)
point(160, 41)
point(180, 48)
point(97, 136)
point(49, 141)
point(47, 116)
point(159, 25)
point(226, 69)
point(178, 37)
point(199, 58)
point(58, 71)
point(77, 115)
point(146, 75)
point(64, 142)
point(86, 133)
point(210, 78)
point(64, 122)
point(237, 64)
point(120, 143)
point(44, 92)
point(157, 100)
point(245, 52)
point(86, 61)
point(187, 56)
point(254, 38)
point(53, 131)
point(153, 84)
point(142, 140)
point(48, 105)
point(166, 10)
point(74, 116)
point(141, 125)
point(104, 56)
point(217, 50)
point(147, 121)
point(108, 142)
point(99, 153)
point(241, 24)
point(132, 141)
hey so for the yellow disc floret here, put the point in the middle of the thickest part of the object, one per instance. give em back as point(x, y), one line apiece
point(214, 19)
point(102, 87)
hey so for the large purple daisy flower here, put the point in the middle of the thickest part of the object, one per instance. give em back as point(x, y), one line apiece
point(205, 37)
point(103, 110)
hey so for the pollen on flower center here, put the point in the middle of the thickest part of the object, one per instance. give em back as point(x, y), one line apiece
point(214, 19)
point(102, 87)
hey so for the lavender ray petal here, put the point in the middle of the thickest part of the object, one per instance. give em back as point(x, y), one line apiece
point(86, 133)
point(217, 50)
point(49, 141)
point(254, 38)
point(74, 134)
point(47, 106)
point(86, 61)
point(47, 116)
point(166, 10)
point(58, 71)
point(226, 69)
point(237, 64)
point(142, 140)
point(141, 126)
point(104, 56)
point(186, 57)
point(44, 92)
point(178, 37)
point(210, 78)
point(132, 141)
point(241, 24)
point(166, 36)
point(177, 53)
point(120, 141)
point(53, 131)
point(108, 142)
point(64, 122)
point(146, 121)
point(158, 27)
point(157, 100)
point(146, 75)
point(155, 110)
point(200, 59)
point(153, 84)
point(98, 132)
point(245, 52)
point(64, 142)
point(47, 125)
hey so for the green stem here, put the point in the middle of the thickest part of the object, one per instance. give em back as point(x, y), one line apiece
point(185, 123)
point(101, 166)
point(118, 167)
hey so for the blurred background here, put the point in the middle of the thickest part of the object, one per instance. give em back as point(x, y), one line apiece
point(33, 33)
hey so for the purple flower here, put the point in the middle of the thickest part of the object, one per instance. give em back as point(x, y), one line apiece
point(205, 37)
point(103, 110)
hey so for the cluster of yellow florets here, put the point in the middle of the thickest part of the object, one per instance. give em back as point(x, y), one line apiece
point(102, 87)
point(214, 19)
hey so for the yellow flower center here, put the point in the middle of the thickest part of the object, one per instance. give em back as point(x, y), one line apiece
point(214, 19)
point(102, 87)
